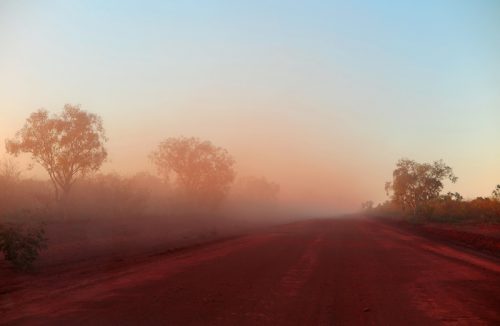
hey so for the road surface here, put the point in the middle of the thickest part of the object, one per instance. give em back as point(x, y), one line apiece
point(346, 271)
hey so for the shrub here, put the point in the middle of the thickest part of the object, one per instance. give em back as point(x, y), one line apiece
point(450, 210)
point(21, 245)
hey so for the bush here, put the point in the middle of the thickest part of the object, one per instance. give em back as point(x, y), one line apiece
point(21, 245)
point(448, 210)
point(108, 196)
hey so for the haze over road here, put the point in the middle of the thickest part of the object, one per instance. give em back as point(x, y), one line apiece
point(345, 271)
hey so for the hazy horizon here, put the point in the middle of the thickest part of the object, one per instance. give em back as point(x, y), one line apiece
point(322, 99)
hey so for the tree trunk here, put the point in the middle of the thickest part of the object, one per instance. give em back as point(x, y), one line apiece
point(65, 201)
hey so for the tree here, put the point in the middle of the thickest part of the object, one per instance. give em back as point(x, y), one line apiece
point(454, 196)
point(258, 189)
point(415, 183)
point(202, 171)
point(9, 184)
point(67, 145)
point(9, 170)
point(367, 205)
point(496, 193)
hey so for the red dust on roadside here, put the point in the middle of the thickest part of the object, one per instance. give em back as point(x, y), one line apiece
point(345, 271)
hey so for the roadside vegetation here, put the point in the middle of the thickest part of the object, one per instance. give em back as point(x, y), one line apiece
point(416, 193)
point(196, 183)
point(21, 244)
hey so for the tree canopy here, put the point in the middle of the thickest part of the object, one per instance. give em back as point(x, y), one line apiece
point(496, 193)
point(204, 172)
point(65, 145)
point(416, 183)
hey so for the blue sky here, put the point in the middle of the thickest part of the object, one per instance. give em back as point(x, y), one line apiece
point(342, 89)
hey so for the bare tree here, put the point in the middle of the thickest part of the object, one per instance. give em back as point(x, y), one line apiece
point(9, 179)
point(202, 171)
point(67, 145)
point(415, 183)
point(9, 170)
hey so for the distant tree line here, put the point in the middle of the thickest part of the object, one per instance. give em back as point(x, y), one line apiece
point(194, 177)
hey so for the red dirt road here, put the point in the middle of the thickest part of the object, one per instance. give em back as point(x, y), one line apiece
point(349, 271)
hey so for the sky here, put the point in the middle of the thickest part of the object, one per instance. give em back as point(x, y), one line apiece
point(322, 97)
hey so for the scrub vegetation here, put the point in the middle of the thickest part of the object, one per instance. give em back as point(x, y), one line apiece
point(416, 192)
point(196, 185)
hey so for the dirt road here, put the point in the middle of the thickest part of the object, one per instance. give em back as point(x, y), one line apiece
point(350, 271)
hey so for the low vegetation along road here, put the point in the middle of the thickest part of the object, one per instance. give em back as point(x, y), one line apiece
point(349, 271)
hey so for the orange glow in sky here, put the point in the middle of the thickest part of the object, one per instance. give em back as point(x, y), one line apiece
point(320, 98)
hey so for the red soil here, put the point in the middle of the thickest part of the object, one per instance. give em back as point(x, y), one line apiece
point(470, 238)
point(350, 271)
point(480, 237)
